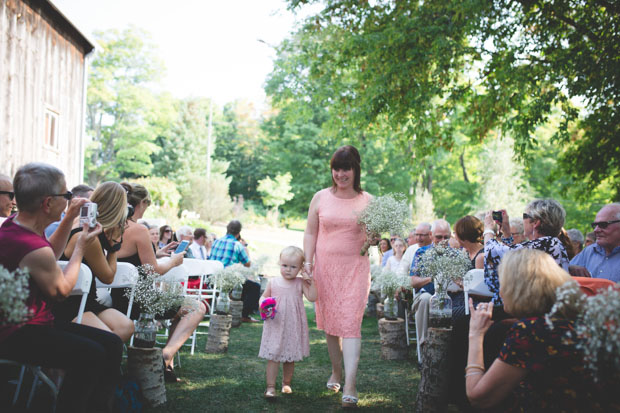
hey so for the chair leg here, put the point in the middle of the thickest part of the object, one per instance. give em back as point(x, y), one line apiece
point(18, 387)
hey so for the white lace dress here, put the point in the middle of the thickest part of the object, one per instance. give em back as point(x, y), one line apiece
point(285, 338)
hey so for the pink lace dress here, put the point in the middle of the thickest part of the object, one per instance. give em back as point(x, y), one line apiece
point(285, 338)
point(341, 274)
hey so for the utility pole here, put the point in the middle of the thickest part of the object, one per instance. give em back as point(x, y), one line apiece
point(209, 145)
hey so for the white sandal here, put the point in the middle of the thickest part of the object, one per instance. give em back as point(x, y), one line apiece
point(349, 401)
point(335, 387)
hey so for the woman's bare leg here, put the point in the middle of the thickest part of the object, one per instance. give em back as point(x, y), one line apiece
point(118, 323)
point(334, 348)
point(182, 328)
point(351, 348)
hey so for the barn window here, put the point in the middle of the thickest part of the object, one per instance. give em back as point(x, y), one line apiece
point(51, 128)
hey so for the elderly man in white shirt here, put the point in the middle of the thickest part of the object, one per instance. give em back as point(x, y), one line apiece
point(421, 236)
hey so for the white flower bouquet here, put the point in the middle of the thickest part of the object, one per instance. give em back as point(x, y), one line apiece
point(13, 295)
point(230, 277)
point(444, 265)
point(155, 296)
point(375, 275)
point(387, 213)
point(597, 326)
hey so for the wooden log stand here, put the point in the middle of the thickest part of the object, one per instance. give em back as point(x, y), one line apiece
point(235, 311)
point(219, 329)
point(433, 388)
point(146, 366)
point(393, 339)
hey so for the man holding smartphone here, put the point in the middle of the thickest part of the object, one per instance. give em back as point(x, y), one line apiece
point(231, 249)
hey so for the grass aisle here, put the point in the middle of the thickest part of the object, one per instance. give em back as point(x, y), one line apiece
point(236, 381)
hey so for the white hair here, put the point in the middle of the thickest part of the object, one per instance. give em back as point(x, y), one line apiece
point(184, 231)
point(440, 223)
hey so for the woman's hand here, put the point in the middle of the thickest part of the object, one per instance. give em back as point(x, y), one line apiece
point(373, 239)
point(489, 224)
point(480, 320)
point(307, 270)
point(73, 210)
point(177, 259)
point(88, 235)
point(166, 250)
point(505, 224)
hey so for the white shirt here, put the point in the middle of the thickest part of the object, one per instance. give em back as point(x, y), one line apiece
point(196, 248)
point(405, 262)
point(392, 264)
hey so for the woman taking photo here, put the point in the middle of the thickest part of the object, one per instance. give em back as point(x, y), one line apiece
point(137, 249)
point(538, 368)
point(100, 256)
point(332, 241)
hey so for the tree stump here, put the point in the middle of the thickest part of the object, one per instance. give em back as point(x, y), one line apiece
point(145, 365)
point(393, 339)
point(235, 311)
point(219, 329)
point(380, 314)
point(433, 388)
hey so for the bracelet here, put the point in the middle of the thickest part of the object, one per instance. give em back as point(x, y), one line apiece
point(474, 373)
point(488, 231)
point(474, 366)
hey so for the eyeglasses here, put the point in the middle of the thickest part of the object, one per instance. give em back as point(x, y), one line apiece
point(9, 193)
point(67, 195)
point(603, 224)
point(442, 236)
point(527, 216)
point(392, 239)
point(422, 235)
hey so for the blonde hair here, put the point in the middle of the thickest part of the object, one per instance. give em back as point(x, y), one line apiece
point(292, 251)
point(528, 279)
point(111, 200)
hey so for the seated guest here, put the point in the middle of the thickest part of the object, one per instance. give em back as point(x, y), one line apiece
point(590, 239)
point(198, 246)
point(229, 250)
point(154, 234)
point(7, 197)
point(602, 259)
point(185, 233)
point(79, 191)
point(399, 247)
point(91, 357)
point(384, 247)
point(419, 237)
point(137, 249)
point(516, 230)
point(469, 235)
point(576, 239)
point(165, 236)
point(537, 368)
point(100, 257)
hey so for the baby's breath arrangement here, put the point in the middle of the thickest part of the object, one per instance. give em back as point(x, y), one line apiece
point(375, 275)
point(388, 282)
point(155, 296)
point(13, 295)
point(230, 277)
point(386, 213)
point(444, 265)
point(597, 325)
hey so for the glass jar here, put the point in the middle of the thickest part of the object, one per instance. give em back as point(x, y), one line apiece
point(440, 311)
point(146, 331)
point(390, 308)
point(236, 292)
point(222, 305)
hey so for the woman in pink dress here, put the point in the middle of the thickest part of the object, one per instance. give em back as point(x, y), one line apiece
point(333, 240)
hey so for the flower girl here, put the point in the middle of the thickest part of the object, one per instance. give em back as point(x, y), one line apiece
point(285, 335)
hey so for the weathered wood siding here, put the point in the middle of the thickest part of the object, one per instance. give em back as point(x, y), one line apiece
point(40, 69)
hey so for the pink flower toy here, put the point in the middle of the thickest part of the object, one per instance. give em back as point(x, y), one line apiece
point(268, 308)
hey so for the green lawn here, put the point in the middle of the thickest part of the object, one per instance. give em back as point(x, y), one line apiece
point(235, 381)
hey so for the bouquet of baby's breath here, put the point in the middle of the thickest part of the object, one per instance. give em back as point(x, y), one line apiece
point(155, 296)
point(387, 213)
point(597, 326)
point(256, 267)
point(230, 277)
point(13, 295)
point(444, 265)
point(388, 282)
point(375, 275)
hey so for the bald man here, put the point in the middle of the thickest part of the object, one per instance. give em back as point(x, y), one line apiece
point(7, 196)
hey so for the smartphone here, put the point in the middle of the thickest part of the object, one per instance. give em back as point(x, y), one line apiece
point(181, 247)
point(497, 216)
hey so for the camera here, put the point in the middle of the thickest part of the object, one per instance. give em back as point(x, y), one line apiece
point(88, 214)
point(497, 216)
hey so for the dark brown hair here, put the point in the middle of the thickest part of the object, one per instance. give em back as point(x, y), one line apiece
point(346, 158)
point(135, 193)
point(469, 228)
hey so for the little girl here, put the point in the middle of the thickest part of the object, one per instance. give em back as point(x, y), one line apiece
point(285, 337)
point(399, 247)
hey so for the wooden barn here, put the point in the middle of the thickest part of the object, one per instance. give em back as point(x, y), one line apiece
point(43, 74)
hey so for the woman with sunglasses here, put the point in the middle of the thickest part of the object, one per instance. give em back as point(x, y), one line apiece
point(165, 236)
point(100, 256)
point(137, 249)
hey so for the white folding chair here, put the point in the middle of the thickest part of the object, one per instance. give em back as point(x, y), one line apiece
point(202, 269)
point(82, 287)
point(473, 283)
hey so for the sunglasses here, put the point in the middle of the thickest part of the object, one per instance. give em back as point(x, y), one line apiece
point(422, 235)
point(130, 211)
point(9, 193)
point(167, 230)
point(67, 195)
point(442, 236)
point(603, 224)
point(527, 216)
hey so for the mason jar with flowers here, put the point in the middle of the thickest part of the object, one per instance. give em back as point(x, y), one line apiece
point(444, 265)
point(388, 283)
point(227, 280)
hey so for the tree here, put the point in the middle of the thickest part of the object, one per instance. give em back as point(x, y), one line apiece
point(276, 192)
point(503, 64)
point(123, 116)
